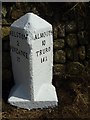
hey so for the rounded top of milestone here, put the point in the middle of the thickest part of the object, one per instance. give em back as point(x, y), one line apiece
point(31, 20)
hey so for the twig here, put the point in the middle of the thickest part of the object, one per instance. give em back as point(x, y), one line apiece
point(71, 8)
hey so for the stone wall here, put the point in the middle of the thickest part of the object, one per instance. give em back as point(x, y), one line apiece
point(71, 41)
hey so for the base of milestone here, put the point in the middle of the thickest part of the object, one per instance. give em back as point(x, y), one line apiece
point(21, 100)
point(26, 104)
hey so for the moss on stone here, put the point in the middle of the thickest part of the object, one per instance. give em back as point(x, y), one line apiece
point(5, 32)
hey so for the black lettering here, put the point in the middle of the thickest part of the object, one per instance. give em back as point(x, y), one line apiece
point(41, 35)
point(26, 36)
point(35, 37)
point(46, 50)
point(44, 59)
point(16, 50)
point(15, 35)
point(22, 36)
point(17, 43)
point(49, 49)
point(43, 51)
point(44, 34)
point(41, 60)
point(18, 59)
point(37, 53)
point(26, 55)
point(19, 52)
point(43, 43)
point(40, 52)
point(19, 35)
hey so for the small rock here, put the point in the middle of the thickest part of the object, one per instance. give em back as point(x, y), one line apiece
point(60, 56)
point(81, 52)
point(71, 40)
point(59, 43)
point(71, 27)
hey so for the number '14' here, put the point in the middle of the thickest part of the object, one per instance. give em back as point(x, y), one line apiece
point(43, 59)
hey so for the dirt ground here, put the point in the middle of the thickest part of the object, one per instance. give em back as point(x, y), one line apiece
point(70, 106)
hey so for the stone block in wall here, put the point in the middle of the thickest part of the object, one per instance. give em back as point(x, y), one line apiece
point(69, 54)
point(88, 69)
point(5, 33)
point(19, 5)
point(83, 37)
point(75, 54)
point(74, 68)
point(71, 27)
point(59, 73)
point(59, 69)
point(16, 13)
point(55, 31)
point(72, 54)
point(61, 30)
point(80, 23)
point(4, 12)
point(71, 40)
point(82, 52)
point(85, 62)
point(6, 60)
point(60, 56)
point(28, 7)
point(88, 52)
point(6, 22)
point(59, 44)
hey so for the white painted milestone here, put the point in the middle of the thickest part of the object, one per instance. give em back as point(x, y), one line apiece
point(31, 43)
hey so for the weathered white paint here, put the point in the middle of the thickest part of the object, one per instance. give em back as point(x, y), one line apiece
point(31, 42)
